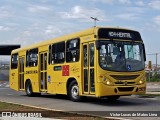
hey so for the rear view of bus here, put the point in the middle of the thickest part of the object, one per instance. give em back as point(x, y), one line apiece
point(121, 63)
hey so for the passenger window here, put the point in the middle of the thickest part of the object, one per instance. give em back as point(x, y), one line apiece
point(91, 47)
point(32, 57)
point(14, 61)
point(72, 51)
point(58, 53)
point(85, 54)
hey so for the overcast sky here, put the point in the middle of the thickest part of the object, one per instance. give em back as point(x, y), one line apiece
point(27, 22)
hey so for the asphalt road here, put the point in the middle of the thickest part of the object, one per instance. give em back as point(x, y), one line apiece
point(89, 105)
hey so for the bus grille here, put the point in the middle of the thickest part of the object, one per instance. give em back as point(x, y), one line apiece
point(125, 89)
point(124, 77)
point(123, 83)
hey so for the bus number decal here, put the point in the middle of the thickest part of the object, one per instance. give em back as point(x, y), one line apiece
point(31, 72)
point(65, 70)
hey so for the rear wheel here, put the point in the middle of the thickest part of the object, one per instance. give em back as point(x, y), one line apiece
point(29, 90)
point(113, 98)
point(73, 92)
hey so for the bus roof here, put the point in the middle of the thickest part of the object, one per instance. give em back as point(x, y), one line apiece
point(89, 31)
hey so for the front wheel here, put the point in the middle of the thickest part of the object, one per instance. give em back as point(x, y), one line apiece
point(73, 92)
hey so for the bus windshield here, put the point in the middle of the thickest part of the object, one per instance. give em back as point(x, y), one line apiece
point(121, 56)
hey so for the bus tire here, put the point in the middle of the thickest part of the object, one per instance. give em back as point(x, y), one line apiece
point(113, 98)
point(73, 92)
point(29, 90)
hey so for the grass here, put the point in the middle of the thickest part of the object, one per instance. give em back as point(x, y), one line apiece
point(153, 78)
point(8, 107)
point(14, 107)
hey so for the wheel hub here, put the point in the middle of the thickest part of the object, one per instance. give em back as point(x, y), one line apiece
point(75, 92)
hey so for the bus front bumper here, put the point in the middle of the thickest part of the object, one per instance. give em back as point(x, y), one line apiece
point(106, 90)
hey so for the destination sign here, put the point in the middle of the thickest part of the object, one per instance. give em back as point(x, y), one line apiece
point(120, 34)
point(110, 33)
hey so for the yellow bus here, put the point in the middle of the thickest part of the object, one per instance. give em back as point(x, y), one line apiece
point(99, 62)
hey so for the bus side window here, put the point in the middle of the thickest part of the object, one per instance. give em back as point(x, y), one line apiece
point(58, 53)
point(14, 61)
point(32, 58)
point(27, 58)
point(91, 47)
point(72, 51)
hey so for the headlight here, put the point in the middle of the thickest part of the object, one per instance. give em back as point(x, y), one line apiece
point(142, 80)
point(107, 81)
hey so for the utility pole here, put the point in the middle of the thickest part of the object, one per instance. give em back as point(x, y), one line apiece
point(156, 61)
point(95, 20)
point(156, 66)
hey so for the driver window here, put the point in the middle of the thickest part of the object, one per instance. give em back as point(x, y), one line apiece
point(102, 56)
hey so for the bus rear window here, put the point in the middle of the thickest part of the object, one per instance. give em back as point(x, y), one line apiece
point(14, 61)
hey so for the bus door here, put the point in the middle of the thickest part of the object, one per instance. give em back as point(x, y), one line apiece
point(21, 72)
point(88, 68)
point(43, 72)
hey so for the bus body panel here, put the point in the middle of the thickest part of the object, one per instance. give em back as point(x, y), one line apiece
point(14, 78)
point(58, 81)
point(13, 83)
point(32, 75)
